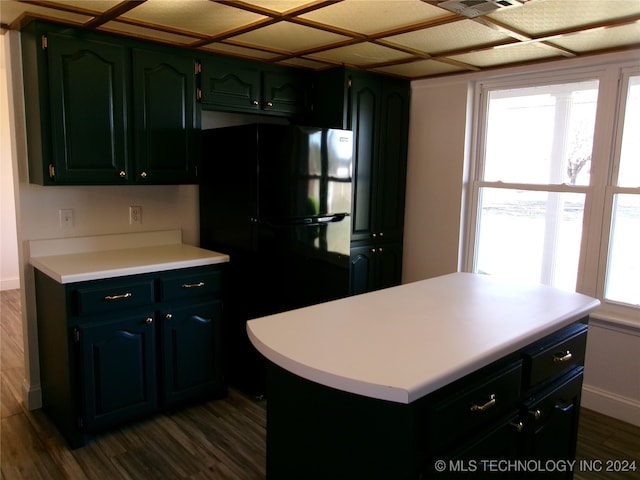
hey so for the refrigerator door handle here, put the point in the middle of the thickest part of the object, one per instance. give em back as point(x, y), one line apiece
point(309, 221)
point(338, 217)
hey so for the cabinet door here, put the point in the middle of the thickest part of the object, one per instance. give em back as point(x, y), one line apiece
point(165, 117)
point(551, 425)
point(88, 98)
point(477, 459)
point(391, 166)
point(285, 92)
point(230, 85)
point(118, 369)
point(191, 337)
point(364, 118)
point(374, 267)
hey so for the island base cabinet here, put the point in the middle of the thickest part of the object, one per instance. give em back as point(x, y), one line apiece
point(487, 424)
point(318, 433)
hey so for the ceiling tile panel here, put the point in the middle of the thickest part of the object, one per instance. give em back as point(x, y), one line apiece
point(603, 37)
point(201, 16)
point(146, 33)
point(280, 6)
point(234, 50)
point(545, 16)
point(288, 37)
point(504, 55)
point(369, 17)
point(360, 54)
point(449, 37)
point(423, 68)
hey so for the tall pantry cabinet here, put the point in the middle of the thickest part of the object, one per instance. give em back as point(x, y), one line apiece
point(376, 109)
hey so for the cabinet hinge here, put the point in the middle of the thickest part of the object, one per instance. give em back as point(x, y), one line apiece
point(199, 94)
point(76, 335)
point(198, 68)
point(349, 83)
point(52, 170)
point(43, 41)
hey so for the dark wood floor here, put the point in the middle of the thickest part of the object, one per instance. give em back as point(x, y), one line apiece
point(223, 439)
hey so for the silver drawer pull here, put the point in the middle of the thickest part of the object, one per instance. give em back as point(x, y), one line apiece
point(486, 406)
point(122, 296)
point(562, 357)
point(193, 285)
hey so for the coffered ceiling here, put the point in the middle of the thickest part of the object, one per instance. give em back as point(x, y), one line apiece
point(406, 38)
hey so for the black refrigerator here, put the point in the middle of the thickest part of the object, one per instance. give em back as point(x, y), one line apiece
point(277, 199)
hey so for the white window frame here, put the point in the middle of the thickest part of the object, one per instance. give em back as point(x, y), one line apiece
point(599, 193)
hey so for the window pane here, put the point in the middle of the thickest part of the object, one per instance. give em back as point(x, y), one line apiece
point(530, 236)
point(541, 135)
point(624, 251)
point(629, 175)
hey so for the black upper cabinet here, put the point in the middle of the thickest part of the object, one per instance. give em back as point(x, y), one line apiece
point(165, 117)
point(88, 100)
point(85, 96)
point(230, 85)
point(236, 85)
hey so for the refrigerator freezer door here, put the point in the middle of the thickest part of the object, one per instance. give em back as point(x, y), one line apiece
point(303, 172)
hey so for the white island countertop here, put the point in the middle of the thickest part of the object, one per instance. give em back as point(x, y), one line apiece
point(82, 259)
point(405, 342)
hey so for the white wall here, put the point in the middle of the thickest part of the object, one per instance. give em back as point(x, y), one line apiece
point(435, 172)
point(439, 137)
point(9, 269)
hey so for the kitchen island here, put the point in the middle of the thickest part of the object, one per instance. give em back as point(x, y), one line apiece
point(461, 367)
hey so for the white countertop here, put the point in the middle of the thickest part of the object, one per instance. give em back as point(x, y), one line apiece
point(405, 342)
point(92, 258)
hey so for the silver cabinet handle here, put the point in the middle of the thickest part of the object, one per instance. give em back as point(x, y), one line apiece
point(193, 285)
point(122, 296)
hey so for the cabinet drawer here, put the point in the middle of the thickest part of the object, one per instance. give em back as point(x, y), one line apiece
point(190, 284)
point(554, 355)
point(104, 297)
point(474, 404)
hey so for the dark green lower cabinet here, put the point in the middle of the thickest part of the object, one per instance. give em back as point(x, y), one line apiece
point(192, 353)
point(114, 350)
point(484, 457)
point(552, 423)
point(118, 364)
point(374, 267)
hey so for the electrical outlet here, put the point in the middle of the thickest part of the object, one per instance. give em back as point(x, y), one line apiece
point(135, 215)
point(66, 218)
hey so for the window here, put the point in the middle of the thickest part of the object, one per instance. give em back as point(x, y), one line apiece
point(556, 183)
point(622, 282)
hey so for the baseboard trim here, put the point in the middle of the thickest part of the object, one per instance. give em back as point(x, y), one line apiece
point(611, 404)
point(10, 283)
point(32, 395)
